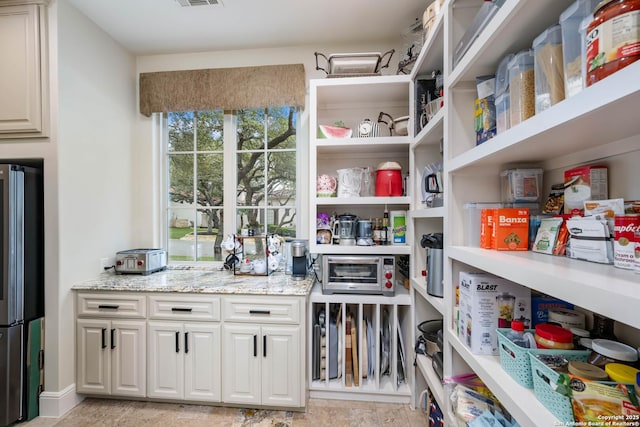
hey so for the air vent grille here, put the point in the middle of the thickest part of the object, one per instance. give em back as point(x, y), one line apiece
point(187, 3)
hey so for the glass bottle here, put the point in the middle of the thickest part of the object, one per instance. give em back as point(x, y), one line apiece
point(377, 232)
point(385, 227)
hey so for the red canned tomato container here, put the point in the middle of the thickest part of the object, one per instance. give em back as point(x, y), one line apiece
point(613, 38)
point(626, 230)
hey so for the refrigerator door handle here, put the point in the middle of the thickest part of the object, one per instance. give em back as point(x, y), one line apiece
point(104, 338)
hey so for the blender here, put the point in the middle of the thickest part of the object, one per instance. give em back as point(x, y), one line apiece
point(345, 229)
point(506, 303)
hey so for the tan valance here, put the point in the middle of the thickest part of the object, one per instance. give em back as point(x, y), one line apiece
point(222, 88)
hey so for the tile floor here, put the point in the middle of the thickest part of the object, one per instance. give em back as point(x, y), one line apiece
point(319, 412)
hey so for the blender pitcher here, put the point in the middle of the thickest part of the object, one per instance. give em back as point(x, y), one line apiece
point(506, 303)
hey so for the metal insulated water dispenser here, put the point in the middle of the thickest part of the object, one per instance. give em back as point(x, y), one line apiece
point(433, 242)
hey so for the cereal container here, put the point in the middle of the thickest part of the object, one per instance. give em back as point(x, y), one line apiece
point(521, 87)
point(572, 42)
point(502, 112)
point(548, 69)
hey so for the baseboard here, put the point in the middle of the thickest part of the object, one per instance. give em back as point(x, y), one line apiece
point(54, 404)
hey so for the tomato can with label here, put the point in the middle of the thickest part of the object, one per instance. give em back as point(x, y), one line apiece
point(613, 38)
point(626, 228)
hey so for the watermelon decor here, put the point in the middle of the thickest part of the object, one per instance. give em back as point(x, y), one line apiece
point(327, 131)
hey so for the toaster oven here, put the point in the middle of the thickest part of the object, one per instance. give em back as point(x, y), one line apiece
point(358, 274)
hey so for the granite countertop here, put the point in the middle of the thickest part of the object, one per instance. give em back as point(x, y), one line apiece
point(198, 280)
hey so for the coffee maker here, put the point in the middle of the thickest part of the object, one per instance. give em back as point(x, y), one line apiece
point(299, 260)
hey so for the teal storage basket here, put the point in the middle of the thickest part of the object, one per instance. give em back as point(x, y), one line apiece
point(515, 359)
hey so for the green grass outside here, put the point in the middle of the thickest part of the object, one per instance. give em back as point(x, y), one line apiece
point(178, 233)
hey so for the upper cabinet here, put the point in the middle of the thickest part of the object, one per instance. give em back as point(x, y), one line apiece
point(24, 111)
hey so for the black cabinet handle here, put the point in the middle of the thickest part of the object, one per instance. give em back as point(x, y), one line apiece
point(177, 342)
point(109, 307)
point(255, 346)
point(181, 309)
point(113, 339)
point(264, 346)
point(259, 311)
point(104, 337)
point(186, 342)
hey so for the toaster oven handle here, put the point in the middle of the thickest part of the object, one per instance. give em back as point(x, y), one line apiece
point(252, 311)
point(108, 307)
point(181, 309)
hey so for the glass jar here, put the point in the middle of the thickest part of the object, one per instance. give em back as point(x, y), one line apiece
point(613, 39)
point(553, 337)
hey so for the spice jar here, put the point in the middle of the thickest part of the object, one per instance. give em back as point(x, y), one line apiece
point(553, 337)
point(608, 351)
point(613, 41)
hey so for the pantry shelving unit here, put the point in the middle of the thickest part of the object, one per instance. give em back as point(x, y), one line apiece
point(598, 124)
point(351, 100)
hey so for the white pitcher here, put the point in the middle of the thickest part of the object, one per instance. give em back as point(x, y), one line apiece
point(349, 181)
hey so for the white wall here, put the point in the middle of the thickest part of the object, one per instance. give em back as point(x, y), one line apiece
point(96, 112)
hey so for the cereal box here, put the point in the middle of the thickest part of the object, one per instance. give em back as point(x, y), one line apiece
point(584, 183)
point(488, 302)
point(511, 229)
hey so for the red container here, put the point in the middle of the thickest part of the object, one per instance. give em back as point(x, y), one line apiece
point(627, 227)
point(388, 182)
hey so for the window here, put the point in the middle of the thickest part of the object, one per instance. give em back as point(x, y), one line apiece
point(239, 165)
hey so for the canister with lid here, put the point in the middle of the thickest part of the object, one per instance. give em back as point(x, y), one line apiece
point(587, 371)
point(621, 373)
point(521, 87)
point(567, 318)
point(553, 337)
point(548, 68)
point(613, 38)
point(607, 351)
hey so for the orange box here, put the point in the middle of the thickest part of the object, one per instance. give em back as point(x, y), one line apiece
point(511, 229)
point(486, 228)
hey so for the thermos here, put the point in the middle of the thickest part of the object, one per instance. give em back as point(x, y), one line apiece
point(433, 242)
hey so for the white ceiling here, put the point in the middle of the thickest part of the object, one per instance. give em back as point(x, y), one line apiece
point(162, 26)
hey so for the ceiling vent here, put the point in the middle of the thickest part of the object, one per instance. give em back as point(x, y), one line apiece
point(187, 3)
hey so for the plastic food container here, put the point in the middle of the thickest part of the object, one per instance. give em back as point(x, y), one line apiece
point(548, 68)
point(521, 185)
point(567, 318)
point(553, 337)
point(502, 75)
point(473, 219)
point(587, 371)
point(502, 112)
point(621, 373)
point(613, 40)
point(608, 351)
point(521, 87)
point(572, 40)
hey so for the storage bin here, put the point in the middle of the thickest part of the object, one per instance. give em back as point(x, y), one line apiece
point(472, 214)
point(502, 75)
point(521, 185)
point(548, 68)
point(502, 112)
point(573, 39)
point(516, 362)
point(521, 87)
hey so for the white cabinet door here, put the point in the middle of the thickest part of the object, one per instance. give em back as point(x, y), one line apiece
point(93, 356)
point(202, 362)
point(242, 359)
point(281, 371)
point(128, 358)
point(165, 364)
point(21, 103)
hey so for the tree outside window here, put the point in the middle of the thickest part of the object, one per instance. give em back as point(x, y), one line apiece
point(263, 142)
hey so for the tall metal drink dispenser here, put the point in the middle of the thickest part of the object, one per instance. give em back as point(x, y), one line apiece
point(433, 242)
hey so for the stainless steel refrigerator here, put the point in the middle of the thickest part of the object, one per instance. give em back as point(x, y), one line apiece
point(21, 283)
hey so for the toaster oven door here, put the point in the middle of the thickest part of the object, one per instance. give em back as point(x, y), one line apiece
point(352, 275)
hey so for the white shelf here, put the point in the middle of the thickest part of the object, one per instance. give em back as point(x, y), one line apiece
point(420, 286)
point(347, 201)
point(432, 133)
point(381, 144)
point(604, 289)
point(519, 401)
point(600, 114)
point(401, 297)
point(338, 92)
point(433, 381)
point(431, 55)
point(512, 29)
point(427, 212)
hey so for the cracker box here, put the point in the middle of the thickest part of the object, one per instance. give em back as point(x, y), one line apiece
point(488, 302)
point(584, 183)
point(511, 229)
point(486, 228)
point(540, 306)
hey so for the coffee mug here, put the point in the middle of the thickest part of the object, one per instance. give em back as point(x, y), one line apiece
point(259, 266)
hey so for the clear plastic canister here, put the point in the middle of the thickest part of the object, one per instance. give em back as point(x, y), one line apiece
point(548, 70)
point(521, 87)
point(502, 112)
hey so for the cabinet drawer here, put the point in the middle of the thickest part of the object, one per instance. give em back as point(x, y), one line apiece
point(111, 305)
point(184, 307)
point(264, 310)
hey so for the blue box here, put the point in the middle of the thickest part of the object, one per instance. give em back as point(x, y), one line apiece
point(540, 305)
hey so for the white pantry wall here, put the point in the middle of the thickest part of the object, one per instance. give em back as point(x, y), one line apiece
point(96, 114)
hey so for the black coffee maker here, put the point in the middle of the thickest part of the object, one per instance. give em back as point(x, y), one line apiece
point(299, 260)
